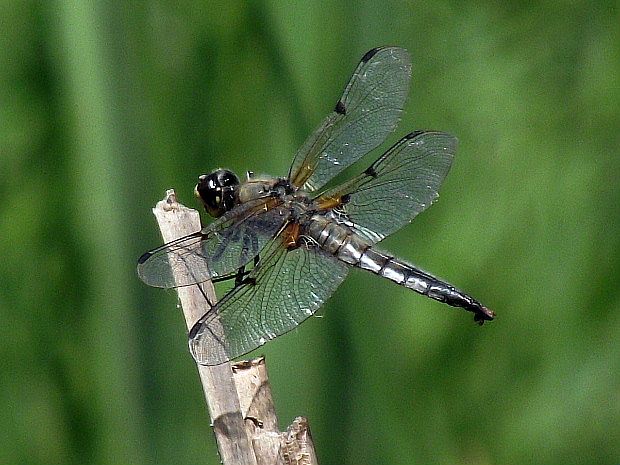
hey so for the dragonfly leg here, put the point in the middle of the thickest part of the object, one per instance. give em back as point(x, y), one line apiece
point(242, 274)
point(239, 277)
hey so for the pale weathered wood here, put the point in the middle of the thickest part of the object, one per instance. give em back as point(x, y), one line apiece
point(258, 409)
point(297, 447)
point(238, 397)
point(234, 444)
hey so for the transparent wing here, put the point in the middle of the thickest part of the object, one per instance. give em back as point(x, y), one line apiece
point(367, 112)
point(285, 288)
point(403, 182)
point(219, 249)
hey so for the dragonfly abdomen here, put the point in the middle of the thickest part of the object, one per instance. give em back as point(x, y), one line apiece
point(337, 239)
point(351, 248)
point(422, 282)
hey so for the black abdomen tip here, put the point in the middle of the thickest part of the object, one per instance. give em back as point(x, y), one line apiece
point(483, 314)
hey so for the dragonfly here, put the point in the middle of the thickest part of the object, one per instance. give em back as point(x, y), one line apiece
point(289, 242)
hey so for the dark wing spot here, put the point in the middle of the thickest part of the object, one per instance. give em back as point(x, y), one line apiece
point(144, 258)
point(414, 134)
point(370, 53)
point(370, 171)
point(341, 109)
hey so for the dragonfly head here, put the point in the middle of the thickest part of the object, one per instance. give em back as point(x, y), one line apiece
point(217, 191)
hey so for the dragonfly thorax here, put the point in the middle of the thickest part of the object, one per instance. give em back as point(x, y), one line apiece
point(263, 187)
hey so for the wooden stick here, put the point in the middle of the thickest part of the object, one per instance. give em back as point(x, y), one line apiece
point(238, 397)
point(176, 220)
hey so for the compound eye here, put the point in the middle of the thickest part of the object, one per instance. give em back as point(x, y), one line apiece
point(217, 191)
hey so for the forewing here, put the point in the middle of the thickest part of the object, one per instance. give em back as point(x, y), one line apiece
point(367, 112)
point(403, 182)
point(286, 287)
point(219, 249)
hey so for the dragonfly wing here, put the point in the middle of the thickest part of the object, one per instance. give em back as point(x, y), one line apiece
point(367, 112)
point(219, 249)
point(403, 182)
point(284, 289)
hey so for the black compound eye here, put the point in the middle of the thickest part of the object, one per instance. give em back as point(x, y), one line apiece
point(218, 191)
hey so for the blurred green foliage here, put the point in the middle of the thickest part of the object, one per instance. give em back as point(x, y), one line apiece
point(104, 105)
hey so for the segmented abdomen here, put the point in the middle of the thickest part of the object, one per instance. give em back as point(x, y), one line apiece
point(347, 246)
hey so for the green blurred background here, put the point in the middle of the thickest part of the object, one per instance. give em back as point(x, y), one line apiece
point(104, 105)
